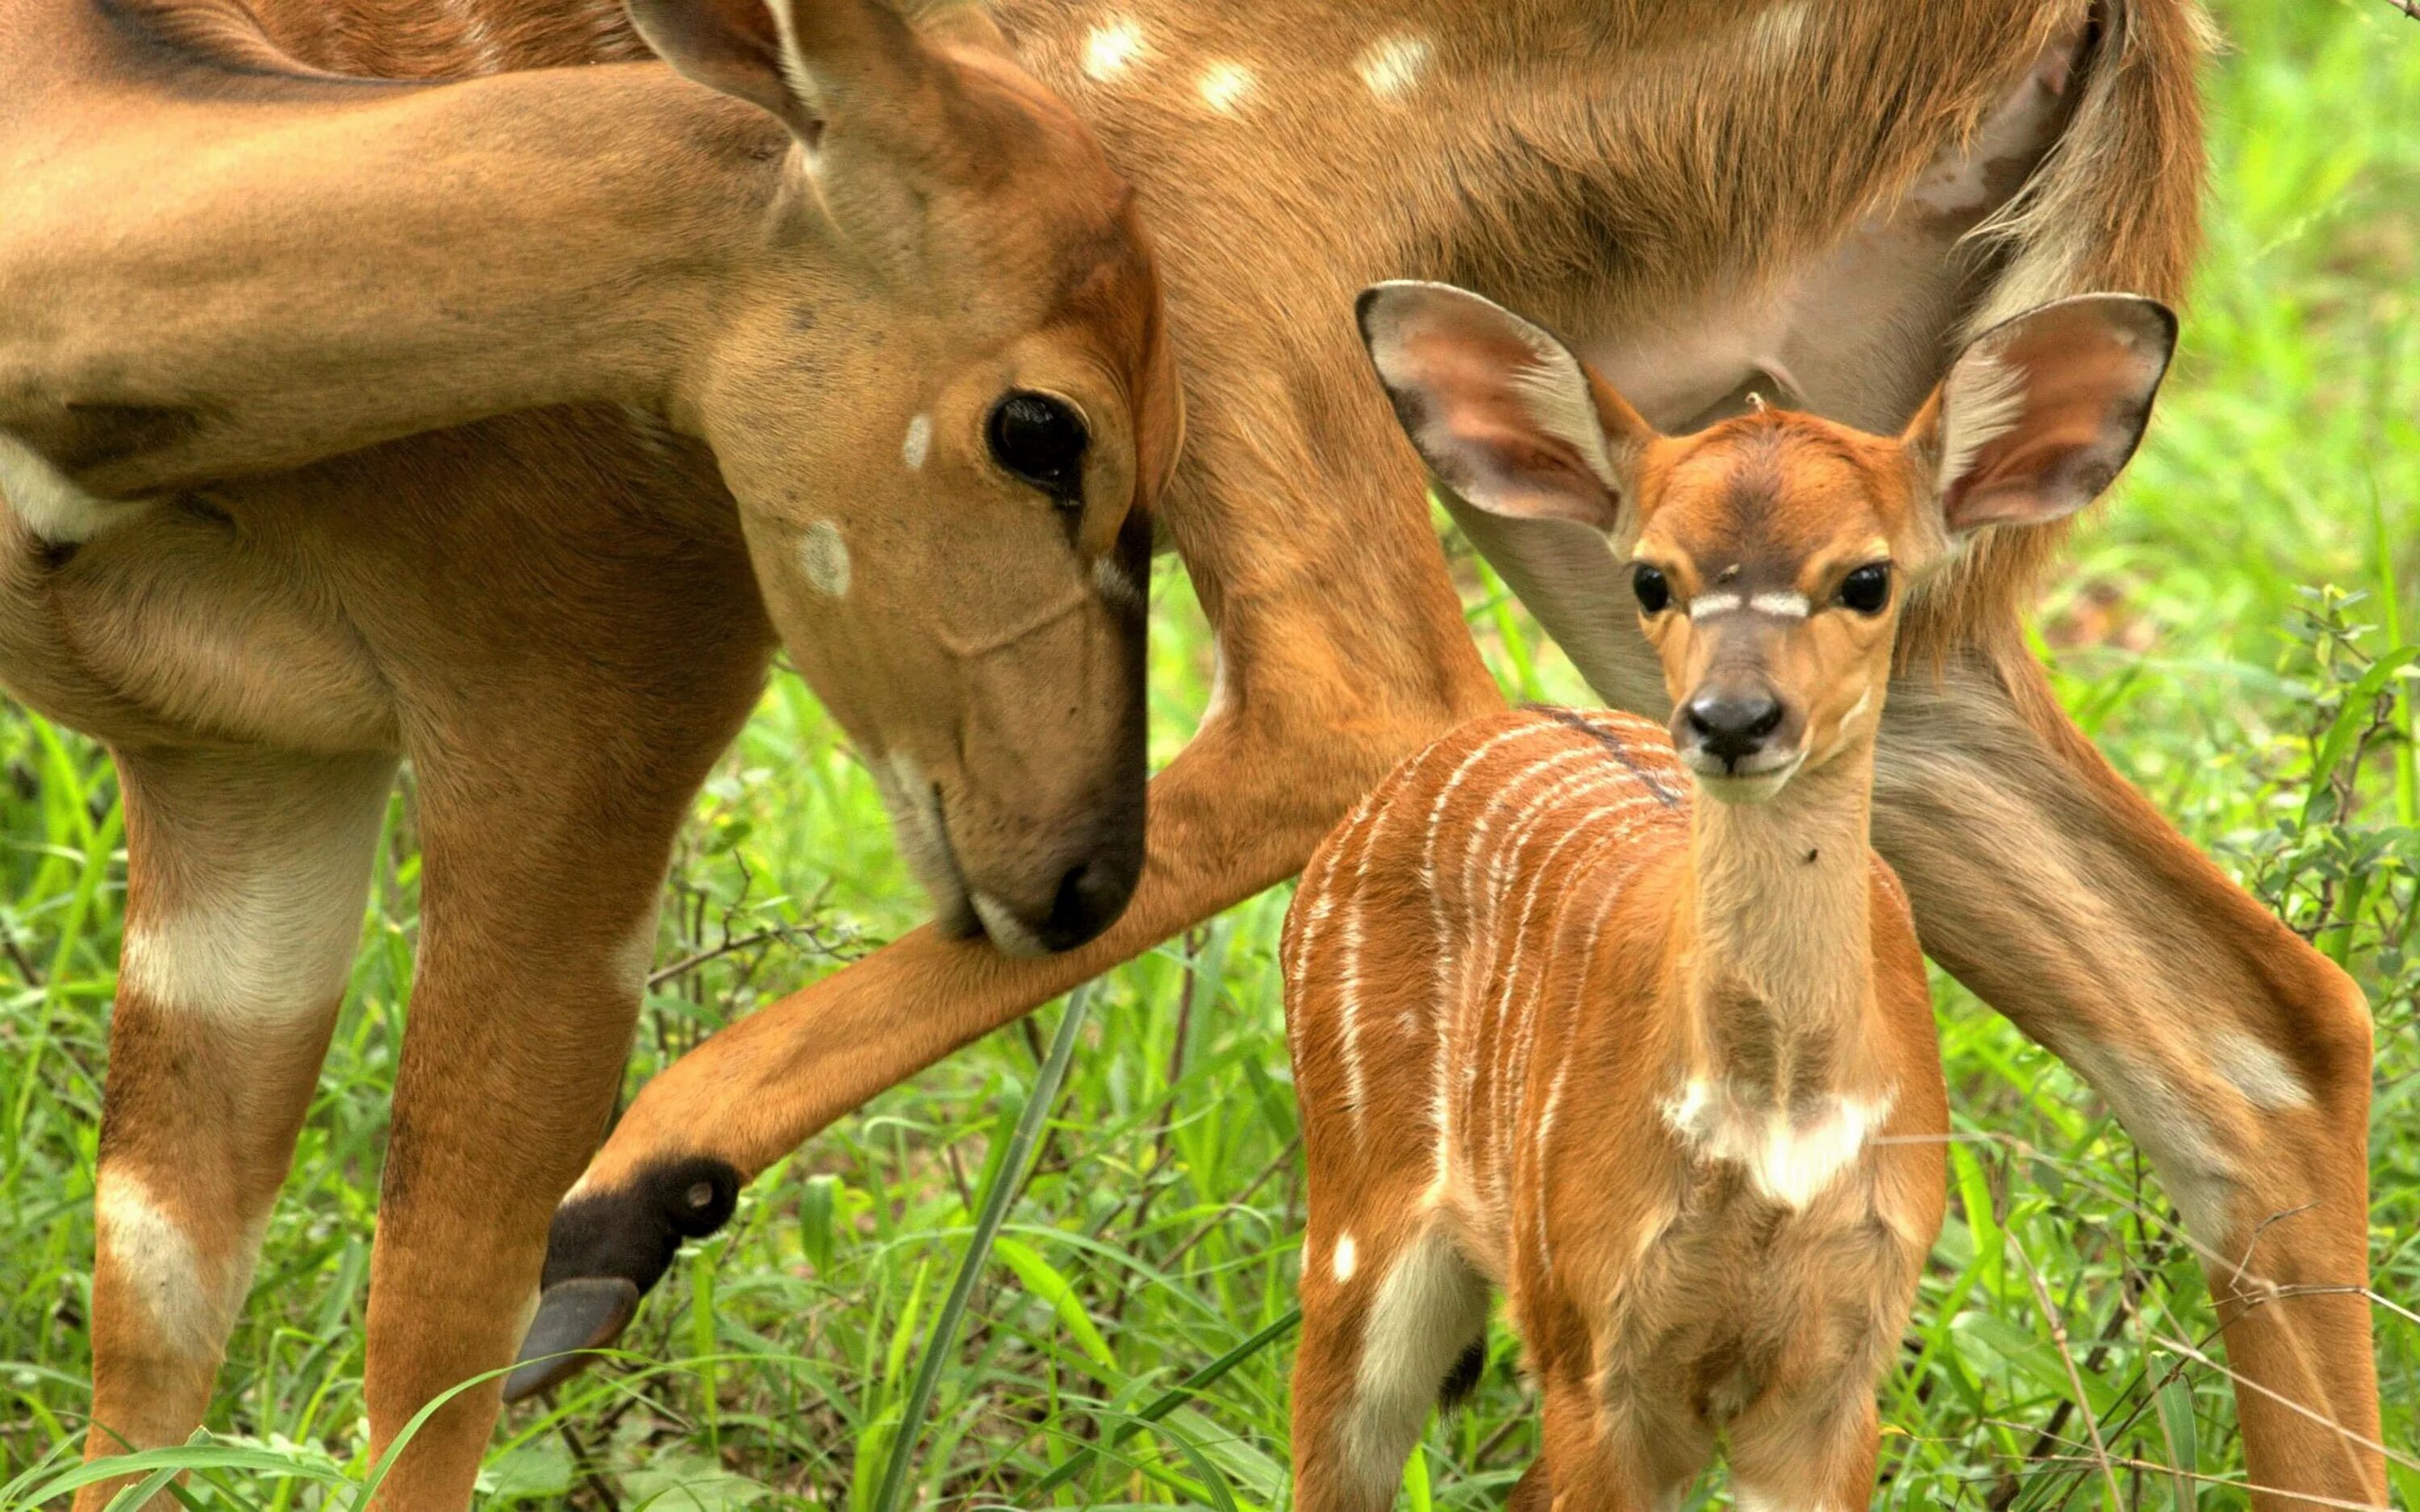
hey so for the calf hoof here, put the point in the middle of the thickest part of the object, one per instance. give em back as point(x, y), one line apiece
point(605, 1249)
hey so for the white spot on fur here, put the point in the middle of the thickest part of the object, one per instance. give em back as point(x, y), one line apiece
point(1787, 1160)
point(1983, 401)
point(919, 443)
point(191, 1302)
point(1706, 605)
point(823, 555)
point(1393, 65)
point(2257, 1072)
point(48, 502)
point(1347, 1257)
point(1784, 605)
point(1430, 1307)
point(1110, 50)
point(1777, 31)
point(1224, 86)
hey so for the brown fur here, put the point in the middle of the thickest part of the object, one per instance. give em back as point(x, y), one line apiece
point(1504, 168)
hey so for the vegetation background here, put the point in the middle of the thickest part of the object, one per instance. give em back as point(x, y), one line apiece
point(2227, 631)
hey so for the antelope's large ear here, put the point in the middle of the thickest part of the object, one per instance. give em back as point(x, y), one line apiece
point(1501, 411)
point(798, 59)
point(2040, 412)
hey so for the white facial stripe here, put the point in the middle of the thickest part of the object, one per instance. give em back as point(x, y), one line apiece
point(1110, 50)
point(823, 555)
point(1706, 605)
point(1224, 86)
point(1007, 932)
point(1393, 65)
point(919, 443)
point(1786, 606)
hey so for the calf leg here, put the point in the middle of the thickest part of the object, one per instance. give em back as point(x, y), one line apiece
point(1389, 1305)
point(2236, 1054)
point(247, 871)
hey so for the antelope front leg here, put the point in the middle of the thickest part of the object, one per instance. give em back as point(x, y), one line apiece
point(537, 921)
point(1239, 810)
point(247, 873)
point(2237, 1056)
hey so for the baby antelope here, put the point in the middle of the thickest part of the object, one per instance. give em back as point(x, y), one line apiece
point(1632, 1024)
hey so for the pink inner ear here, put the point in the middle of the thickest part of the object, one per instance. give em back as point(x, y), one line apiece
point(1467, 384)
point(2086, 384)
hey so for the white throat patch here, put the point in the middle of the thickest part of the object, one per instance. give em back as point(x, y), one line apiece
point(1790, 1161)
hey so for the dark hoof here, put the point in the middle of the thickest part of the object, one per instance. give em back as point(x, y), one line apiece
point(572, 1318)
point(605, 1249)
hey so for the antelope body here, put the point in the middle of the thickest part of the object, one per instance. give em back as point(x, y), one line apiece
point(1642, 1035)
point(421, 308)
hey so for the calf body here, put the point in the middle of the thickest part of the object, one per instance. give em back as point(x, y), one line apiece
point(1687, 1117)
point(1637, 1027)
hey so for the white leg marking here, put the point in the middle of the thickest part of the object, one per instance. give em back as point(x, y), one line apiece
point(1393, 65)
point(257, 950)
point(1109, 50)
point(2199, 1176)
point(1223, 85)
point(1430, 1307)
point(2257, 1072)
point(919, 443)
point(823, 555)
point(50, 503)
point(191, 1302)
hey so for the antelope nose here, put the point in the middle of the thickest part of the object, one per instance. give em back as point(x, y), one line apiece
point(1731, 723)
point(1090, 898)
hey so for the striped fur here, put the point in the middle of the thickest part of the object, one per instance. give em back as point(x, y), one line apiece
point(1488, 970)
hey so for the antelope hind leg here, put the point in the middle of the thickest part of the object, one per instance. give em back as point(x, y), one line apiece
point(247, 875)
point(2237, 1056)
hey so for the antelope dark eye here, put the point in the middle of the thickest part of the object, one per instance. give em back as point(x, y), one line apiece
point(1866, 589)
point(1041, 440)
point(1655, 592)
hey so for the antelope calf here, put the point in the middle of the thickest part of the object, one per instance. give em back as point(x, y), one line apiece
point(1634, 1028)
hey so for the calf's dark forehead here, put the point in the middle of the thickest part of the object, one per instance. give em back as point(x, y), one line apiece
point(1766, 500)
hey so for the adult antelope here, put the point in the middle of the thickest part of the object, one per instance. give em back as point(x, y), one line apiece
point(1709, 197)
point(1637, 1028)
point(1817, 202)
point(892, 297)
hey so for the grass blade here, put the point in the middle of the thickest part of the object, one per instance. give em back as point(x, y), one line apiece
point(996, 1197)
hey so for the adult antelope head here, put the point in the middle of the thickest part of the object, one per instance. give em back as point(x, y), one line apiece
point(943, 398)
point(1770, 554)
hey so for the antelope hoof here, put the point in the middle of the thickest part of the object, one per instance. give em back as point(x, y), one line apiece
point(572, 1318)
point(605, 1249)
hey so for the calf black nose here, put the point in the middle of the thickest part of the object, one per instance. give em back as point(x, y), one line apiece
point(1732, 724)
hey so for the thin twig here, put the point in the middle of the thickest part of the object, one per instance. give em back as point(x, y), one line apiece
point(2075, 1376)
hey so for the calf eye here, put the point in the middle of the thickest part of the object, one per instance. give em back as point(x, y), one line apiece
point(1655, 592)
point(1866, 589)
point(1041, 439)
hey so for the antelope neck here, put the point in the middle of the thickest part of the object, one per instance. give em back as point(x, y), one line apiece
point(1776, 962)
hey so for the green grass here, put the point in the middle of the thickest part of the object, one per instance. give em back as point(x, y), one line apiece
point(1133, 1309)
